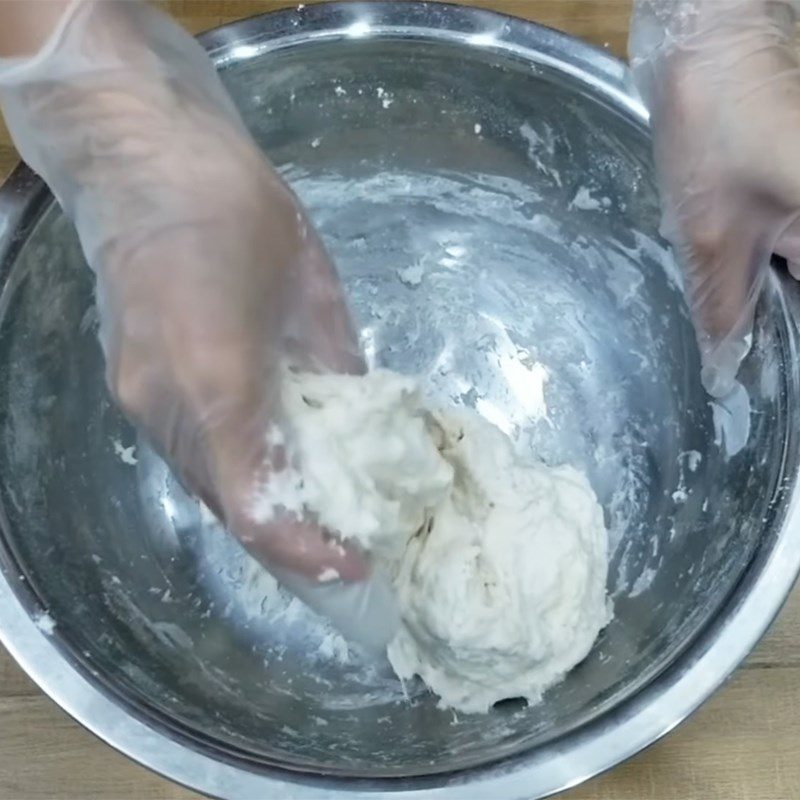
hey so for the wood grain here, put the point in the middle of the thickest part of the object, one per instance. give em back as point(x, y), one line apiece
point(740, 746)
point(44, 755)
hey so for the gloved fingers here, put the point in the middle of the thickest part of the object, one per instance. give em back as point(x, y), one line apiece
point(721, 360)
point(228, 468)
point(320, 335)
point(726, 256)
point(722, 81)
point(725, 263)
point(249, 459)
point(305, 549)
point(365, 612)
point(208, 411)
point(723, 280)
point(226, 462)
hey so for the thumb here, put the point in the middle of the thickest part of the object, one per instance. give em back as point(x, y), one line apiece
point(726, 263)
point(303, 548)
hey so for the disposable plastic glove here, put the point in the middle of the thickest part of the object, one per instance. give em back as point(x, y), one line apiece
point(722, 81)
point(208, 273)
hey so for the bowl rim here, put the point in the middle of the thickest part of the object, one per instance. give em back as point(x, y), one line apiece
point(641, 719)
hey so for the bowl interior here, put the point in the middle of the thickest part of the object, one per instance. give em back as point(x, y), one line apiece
point(496, 226)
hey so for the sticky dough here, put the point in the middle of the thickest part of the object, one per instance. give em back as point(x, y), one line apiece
point(499, 565)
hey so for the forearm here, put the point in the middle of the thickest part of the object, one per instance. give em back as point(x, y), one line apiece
point(25, 25)
point(721, 79)
point(662, 28)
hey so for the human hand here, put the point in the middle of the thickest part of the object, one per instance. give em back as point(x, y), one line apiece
point(208, 273)
point(722, 81)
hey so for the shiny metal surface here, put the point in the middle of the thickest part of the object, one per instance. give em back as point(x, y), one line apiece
point(486, 188)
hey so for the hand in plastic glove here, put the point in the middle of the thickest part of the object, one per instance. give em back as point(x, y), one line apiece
point(722, 81)
point(207, 270)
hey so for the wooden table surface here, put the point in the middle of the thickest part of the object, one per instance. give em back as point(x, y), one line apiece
point(743, 745)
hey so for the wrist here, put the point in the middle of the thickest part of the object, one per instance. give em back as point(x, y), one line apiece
point(663, 30)
point(659, 25)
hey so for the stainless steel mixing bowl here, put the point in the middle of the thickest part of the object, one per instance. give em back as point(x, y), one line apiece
point(486, 188)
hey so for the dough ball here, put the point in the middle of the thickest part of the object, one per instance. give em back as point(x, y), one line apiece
point(506, 591)
point(499, 565)
point(370, 468)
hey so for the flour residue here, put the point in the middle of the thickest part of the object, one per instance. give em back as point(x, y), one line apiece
point(45, 623)
point(586, 201)
point(411, 276)
point(127, 455)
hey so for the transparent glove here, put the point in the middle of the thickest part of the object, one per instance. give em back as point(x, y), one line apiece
point(208, 274)
point(722, 81)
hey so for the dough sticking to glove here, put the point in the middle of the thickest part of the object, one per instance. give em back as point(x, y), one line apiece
point(499, 565)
